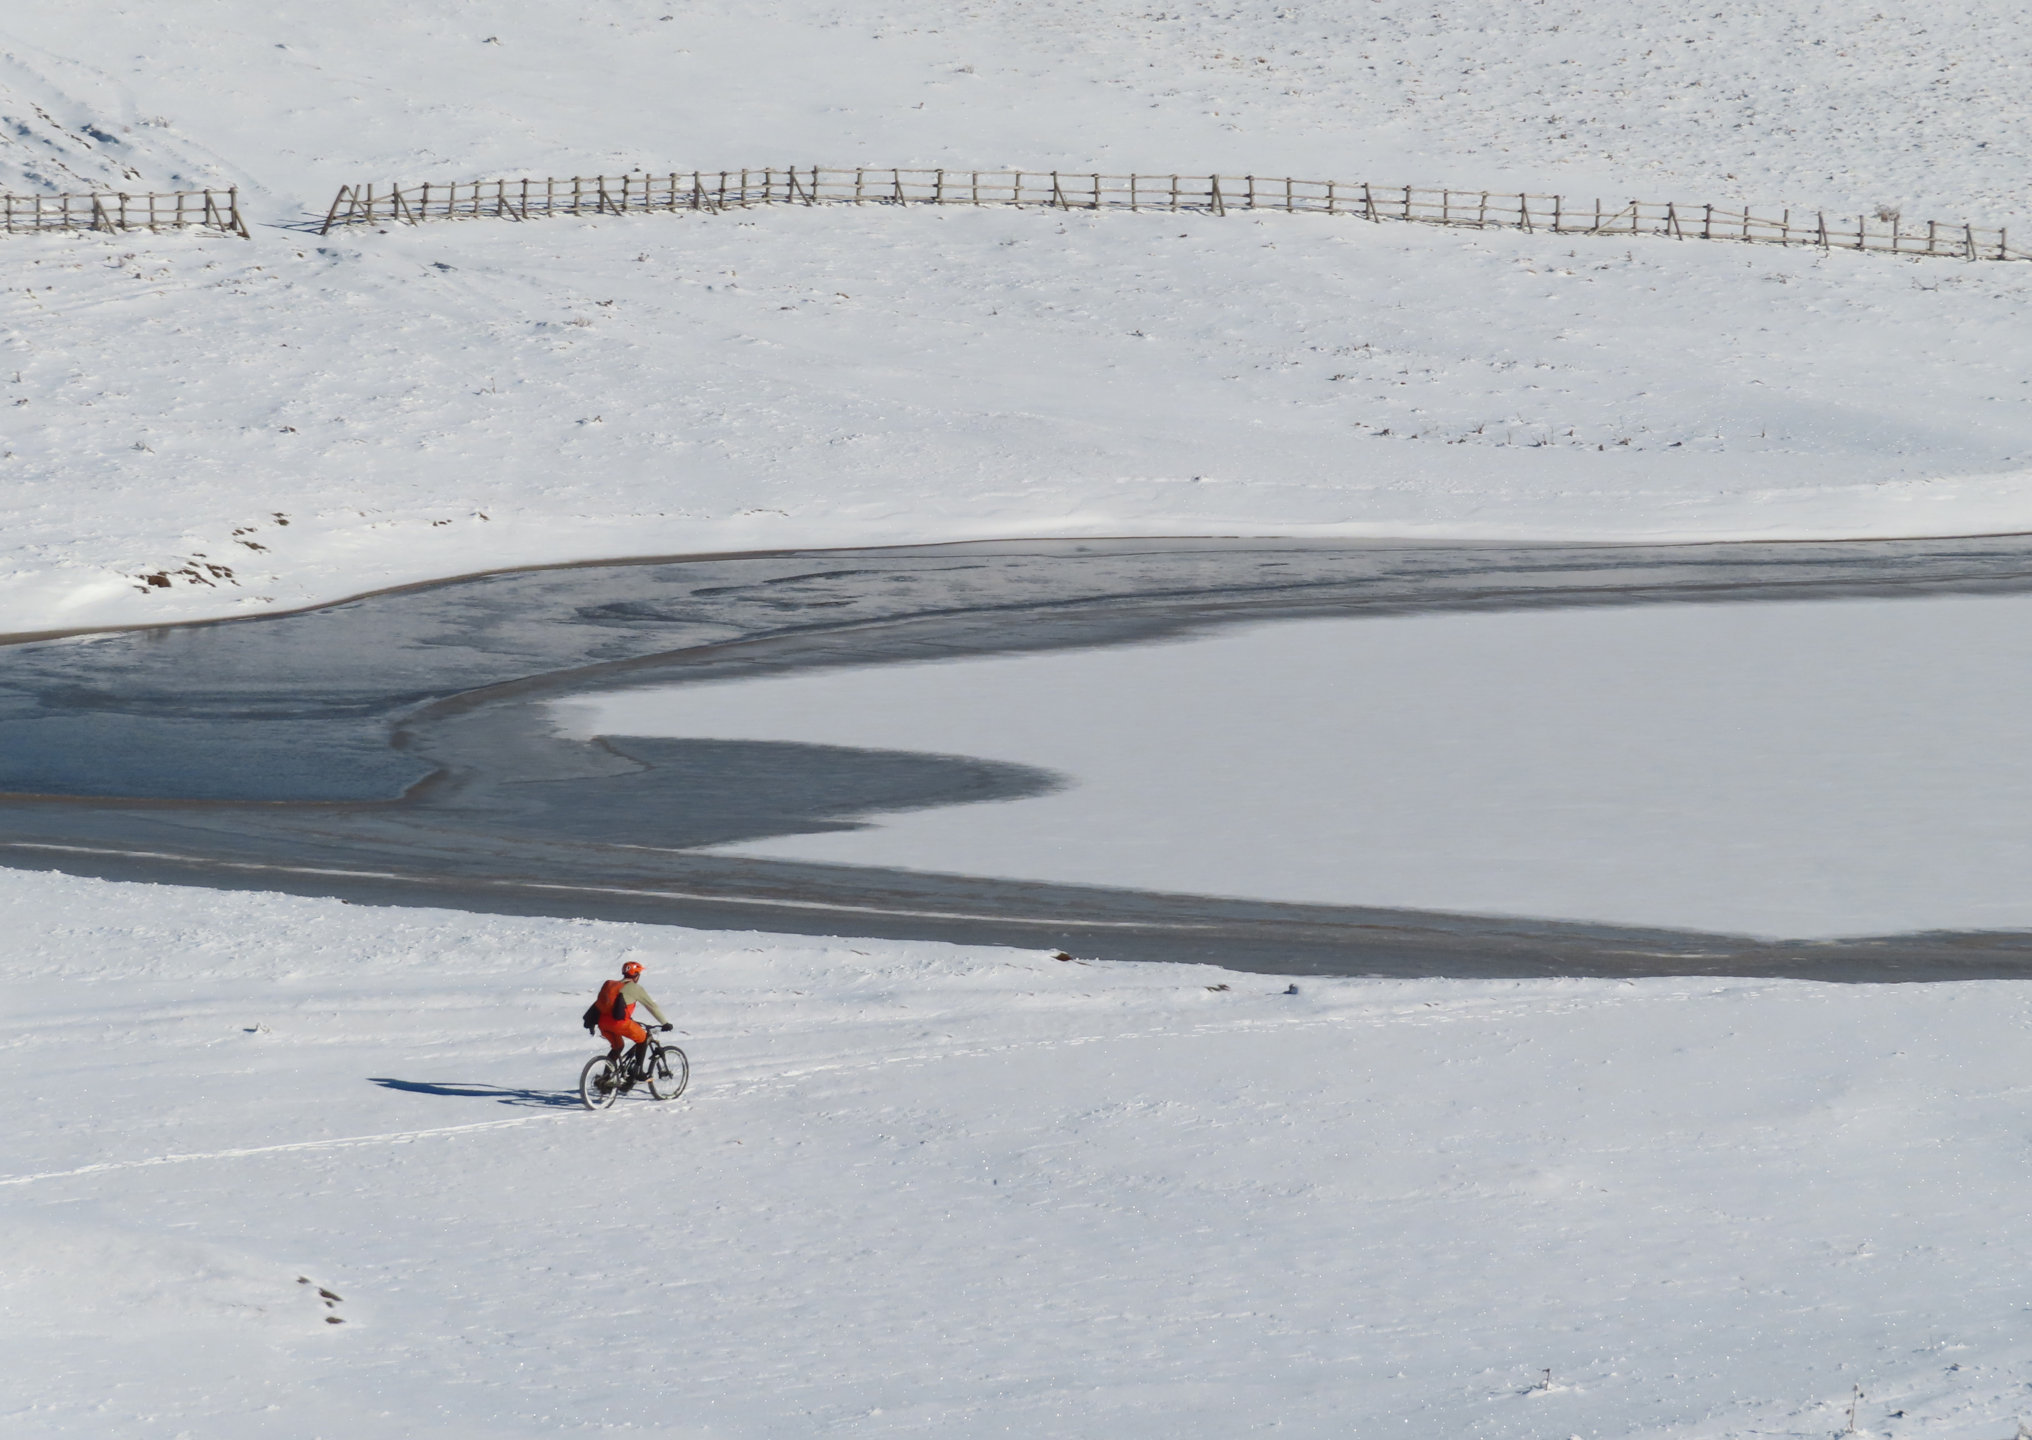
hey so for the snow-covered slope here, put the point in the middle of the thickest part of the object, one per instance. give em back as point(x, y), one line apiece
point(918, 1190)
point(1819, 103)
point(66, 127)
point(670, 385)
point(801, 378)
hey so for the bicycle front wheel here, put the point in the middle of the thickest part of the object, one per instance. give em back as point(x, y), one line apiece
point(600, 1082)
point(669, 1072)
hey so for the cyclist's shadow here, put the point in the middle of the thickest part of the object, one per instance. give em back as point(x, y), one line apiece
point(501, 1094)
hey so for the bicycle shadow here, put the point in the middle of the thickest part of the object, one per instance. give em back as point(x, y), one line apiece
point(501, 1094)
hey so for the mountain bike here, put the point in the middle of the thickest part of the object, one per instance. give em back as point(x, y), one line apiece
point(663, 1068)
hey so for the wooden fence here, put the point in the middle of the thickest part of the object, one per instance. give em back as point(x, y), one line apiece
point(716, 190)
point(179, 210)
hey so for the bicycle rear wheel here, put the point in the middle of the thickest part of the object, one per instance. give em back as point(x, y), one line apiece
point(600, 1083)
point(669, 1072)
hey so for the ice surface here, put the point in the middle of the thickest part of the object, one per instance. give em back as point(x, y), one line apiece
point(1799, 769)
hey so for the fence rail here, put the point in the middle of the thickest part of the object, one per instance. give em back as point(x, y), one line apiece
point(109, 211)
point(717, 190)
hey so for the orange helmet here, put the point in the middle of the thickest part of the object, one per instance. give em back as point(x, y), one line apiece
point(631, 971)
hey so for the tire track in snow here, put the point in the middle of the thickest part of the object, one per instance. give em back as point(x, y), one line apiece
point(740, 1086)
point(395, 1137)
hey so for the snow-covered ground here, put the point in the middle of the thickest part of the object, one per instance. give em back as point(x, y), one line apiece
point(673, 385)
point(1818, 769)
point(921, 1190)
point(1818, 103)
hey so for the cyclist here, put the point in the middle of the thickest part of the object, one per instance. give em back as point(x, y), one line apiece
point(613, 1015)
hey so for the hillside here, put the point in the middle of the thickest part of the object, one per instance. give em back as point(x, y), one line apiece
point(666, 385)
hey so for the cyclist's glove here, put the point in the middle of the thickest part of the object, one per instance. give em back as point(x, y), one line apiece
point(666, 1029)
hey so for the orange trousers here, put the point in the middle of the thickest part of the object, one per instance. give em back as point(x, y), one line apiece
point(622, 1032)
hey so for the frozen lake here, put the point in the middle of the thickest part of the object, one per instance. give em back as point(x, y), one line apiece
point(1797, 769)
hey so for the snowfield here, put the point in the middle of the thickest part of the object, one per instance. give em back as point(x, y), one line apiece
point(664, 385)
point(325, 418)
point(920, 1190)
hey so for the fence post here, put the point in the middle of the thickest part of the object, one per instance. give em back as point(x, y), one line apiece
point(1329, 197)
point(1214, 197)
point(1174, 194)
point(345, 194)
